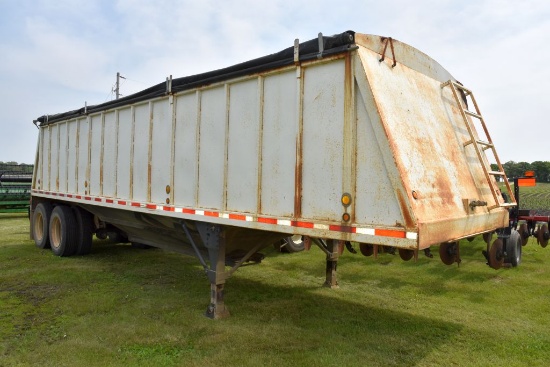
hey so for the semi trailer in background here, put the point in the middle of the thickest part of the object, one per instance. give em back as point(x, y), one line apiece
point(337, 141)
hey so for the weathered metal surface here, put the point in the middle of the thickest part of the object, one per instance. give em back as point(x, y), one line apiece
point(449, 253)
point(543, 235)
point(496, 254)
point(425, 133)
point(275, 152)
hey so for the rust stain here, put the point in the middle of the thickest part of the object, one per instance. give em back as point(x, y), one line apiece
point(299, 150)
point(349, 142)
point(298, 176)
point(149, 176)
point(409, 220)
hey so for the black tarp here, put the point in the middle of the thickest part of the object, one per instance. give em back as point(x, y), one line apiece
point(308, 50)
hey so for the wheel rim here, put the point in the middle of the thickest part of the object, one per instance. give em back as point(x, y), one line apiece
point(297, 239)
point(519, 246)
point(39, 227)
point(55, 232)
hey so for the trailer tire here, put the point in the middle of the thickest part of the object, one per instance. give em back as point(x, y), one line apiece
point(63, 231)
point(40, 225)
point(85, 231)
point(294, 243)
point(513, 248)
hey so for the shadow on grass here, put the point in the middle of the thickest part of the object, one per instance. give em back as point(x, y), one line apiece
point(323, 322)
point(274, 323)
point(13, 215)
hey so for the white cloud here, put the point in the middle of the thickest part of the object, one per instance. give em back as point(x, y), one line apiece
point(58, 54)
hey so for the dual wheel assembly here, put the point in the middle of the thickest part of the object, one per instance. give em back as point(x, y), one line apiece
point(66, 230)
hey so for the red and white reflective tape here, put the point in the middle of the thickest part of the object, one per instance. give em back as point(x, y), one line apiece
point(382, 232)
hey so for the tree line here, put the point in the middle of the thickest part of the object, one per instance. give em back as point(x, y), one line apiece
point(517, 169)
point(15, 167)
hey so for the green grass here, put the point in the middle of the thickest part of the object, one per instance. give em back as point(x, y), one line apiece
point(120, 306)
point(536, 197)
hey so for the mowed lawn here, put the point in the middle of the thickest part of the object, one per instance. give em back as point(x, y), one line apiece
point(120, 306)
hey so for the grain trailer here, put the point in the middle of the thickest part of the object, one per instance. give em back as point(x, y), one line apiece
point(347, 139)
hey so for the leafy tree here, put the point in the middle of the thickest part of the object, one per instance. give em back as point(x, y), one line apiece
point(517, 169)
point(542, 170)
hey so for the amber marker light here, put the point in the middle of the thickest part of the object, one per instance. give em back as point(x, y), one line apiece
point(346, 217)
point(346, 199)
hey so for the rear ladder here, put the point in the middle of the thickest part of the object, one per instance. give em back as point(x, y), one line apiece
point(481, 146)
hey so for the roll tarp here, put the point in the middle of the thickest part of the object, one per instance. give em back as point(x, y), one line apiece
point(307, 51)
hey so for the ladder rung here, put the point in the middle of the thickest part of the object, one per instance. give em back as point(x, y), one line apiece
point(486, 145)
point(466, 90)
point(473, 114)
point(505, 205)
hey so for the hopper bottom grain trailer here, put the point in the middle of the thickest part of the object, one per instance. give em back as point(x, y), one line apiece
point(350, 138)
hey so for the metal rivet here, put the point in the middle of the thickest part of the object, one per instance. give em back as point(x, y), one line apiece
point(415, 194)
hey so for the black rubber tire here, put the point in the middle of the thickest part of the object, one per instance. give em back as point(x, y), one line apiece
point(63, 231)
point(85, 231)
point(513, 248)
point(41, 225)
point(294, 243)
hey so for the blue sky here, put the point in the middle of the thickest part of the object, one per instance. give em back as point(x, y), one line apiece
point(57, 54)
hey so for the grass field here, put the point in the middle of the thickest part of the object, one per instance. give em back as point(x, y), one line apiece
point(536, 197)
point(120, 306)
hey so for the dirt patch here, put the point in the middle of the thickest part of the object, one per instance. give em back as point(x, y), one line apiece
point(35, 294)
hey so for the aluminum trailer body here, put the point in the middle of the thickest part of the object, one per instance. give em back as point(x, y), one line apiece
point(353, 137)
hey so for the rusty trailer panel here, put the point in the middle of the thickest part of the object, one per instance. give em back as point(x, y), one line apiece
point(349, 138)
point(282, 147)
point(425, 133)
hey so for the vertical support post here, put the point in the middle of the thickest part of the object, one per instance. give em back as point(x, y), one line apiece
point(213, 237)
point(332, 262)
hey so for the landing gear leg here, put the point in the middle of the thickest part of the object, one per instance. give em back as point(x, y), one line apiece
point(332, 261)
point(213, 238)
